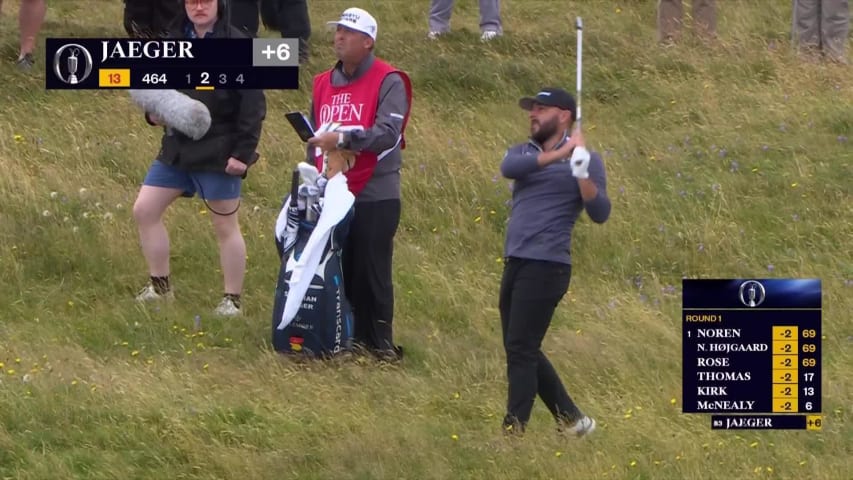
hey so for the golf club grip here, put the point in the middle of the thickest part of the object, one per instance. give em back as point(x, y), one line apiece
point(294, 185)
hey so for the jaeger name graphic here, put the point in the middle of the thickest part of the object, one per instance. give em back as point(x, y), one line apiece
point(152, 49)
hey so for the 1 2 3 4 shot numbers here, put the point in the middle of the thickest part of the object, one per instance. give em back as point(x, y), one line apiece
point(204, 78)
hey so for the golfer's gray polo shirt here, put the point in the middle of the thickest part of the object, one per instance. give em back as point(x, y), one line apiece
point(393, 104)
point(546, 203)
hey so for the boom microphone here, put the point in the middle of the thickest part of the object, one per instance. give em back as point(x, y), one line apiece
point(175, 109)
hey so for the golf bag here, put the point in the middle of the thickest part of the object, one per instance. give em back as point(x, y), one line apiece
point(323, 325)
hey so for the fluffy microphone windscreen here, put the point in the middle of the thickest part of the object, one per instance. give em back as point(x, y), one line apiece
point(177, 110)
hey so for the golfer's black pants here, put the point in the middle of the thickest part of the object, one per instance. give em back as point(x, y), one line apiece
point(368, 274)
point(530, 291)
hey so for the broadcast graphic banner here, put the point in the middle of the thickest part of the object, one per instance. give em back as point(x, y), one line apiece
point(207, 64)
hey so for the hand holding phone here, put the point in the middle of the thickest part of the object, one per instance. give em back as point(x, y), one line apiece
point(301, 125)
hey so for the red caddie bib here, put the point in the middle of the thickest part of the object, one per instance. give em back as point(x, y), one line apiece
point(354, 107)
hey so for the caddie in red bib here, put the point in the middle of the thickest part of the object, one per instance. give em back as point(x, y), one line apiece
point(369, 101)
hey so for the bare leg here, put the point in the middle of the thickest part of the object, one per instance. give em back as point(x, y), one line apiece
point(30, 19)
point(232, 246)
point(148, 211)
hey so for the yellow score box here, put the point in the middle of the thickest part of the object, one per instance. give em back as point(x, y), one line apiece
point(814, 422)
point(113, 77)
point(786, 391)
point(785, 362)
point(785, 405)
point(785, 376)
point(784, 348)
point(785, 333)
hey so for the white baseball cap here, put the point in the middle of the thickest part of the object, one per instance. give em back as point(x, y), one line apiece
point(358, 20)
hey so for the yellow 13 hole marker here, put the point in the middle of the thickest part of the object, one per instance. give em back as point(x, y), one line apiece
point(113, 77)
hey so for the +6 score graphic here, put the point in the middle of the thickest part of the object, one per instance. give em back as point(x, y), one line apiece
point(186, 64)
point(751, 352)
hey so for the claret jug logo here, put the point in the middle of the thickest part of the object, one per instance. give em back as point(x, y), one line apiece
point(72, 63)
point(751, 293)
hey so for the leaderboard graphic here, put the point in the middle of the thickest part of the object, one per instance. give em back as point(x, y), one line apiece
point(752, 352)
point(201, 64)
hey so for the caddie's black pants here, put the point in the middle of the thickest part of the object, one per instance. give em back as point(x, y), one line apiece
point(530, 291)
point(367, 268)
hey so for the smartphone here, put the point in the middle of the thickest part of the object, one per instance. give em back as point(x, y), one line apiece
point(300, 124)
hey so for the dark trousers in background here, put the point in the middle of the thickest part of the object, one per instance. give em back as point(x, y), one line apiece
point(245, 16)
point(367, 262)
point(290, 18)
point(671, 19)
point(530, 292)
point(150, 18)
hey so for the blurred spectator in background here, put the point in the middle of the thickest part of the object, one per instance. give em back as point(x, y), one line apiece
point(671, 19)
point(150, 18)
point(30, 19)
point(153, 18)
point(245, 16)
point(490, 18)
point(290, 19)
point(822, 26)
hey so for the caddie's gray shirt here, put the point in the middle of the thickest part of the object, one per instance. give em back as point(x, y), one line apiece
point(546, 203)
point(383, 135)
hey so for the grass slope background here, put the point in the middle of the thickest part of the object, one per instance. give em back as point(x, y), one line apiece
point(733, 161)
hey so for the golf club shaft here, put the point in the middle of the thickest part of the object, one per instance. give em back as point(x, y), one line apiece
point(294, 188)
point(579, 28)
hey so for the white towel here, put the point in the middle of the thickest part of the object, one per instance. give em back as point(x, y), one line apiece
point(337, 203)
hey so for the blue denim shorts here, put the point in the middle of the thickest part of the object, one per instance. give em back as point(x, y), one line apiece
point(208, 185)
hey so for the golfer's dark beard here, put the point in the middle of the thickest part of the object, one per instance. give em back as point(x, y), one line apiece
point(546, 131)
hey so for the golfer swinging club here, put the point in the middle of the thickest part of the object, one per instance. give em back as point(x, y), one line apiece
point(555, 179)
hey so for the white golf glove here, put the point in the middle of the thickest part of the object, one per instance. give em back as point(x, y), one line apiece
point(580, 162)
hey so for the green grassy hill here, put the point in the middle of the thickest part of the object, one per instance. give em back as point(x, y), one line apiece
point(731, 161)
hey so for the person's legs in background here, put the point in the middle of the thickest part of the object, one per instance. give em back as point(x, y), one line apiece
point(440, 12)
point(293, 22)
point(162, 185)
point(221, 194)
point(806, 26)
point(245, 16)
point(834, 29)
point(670, 17)
point(490, 19)
point(705, 19)
point(30, 19)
